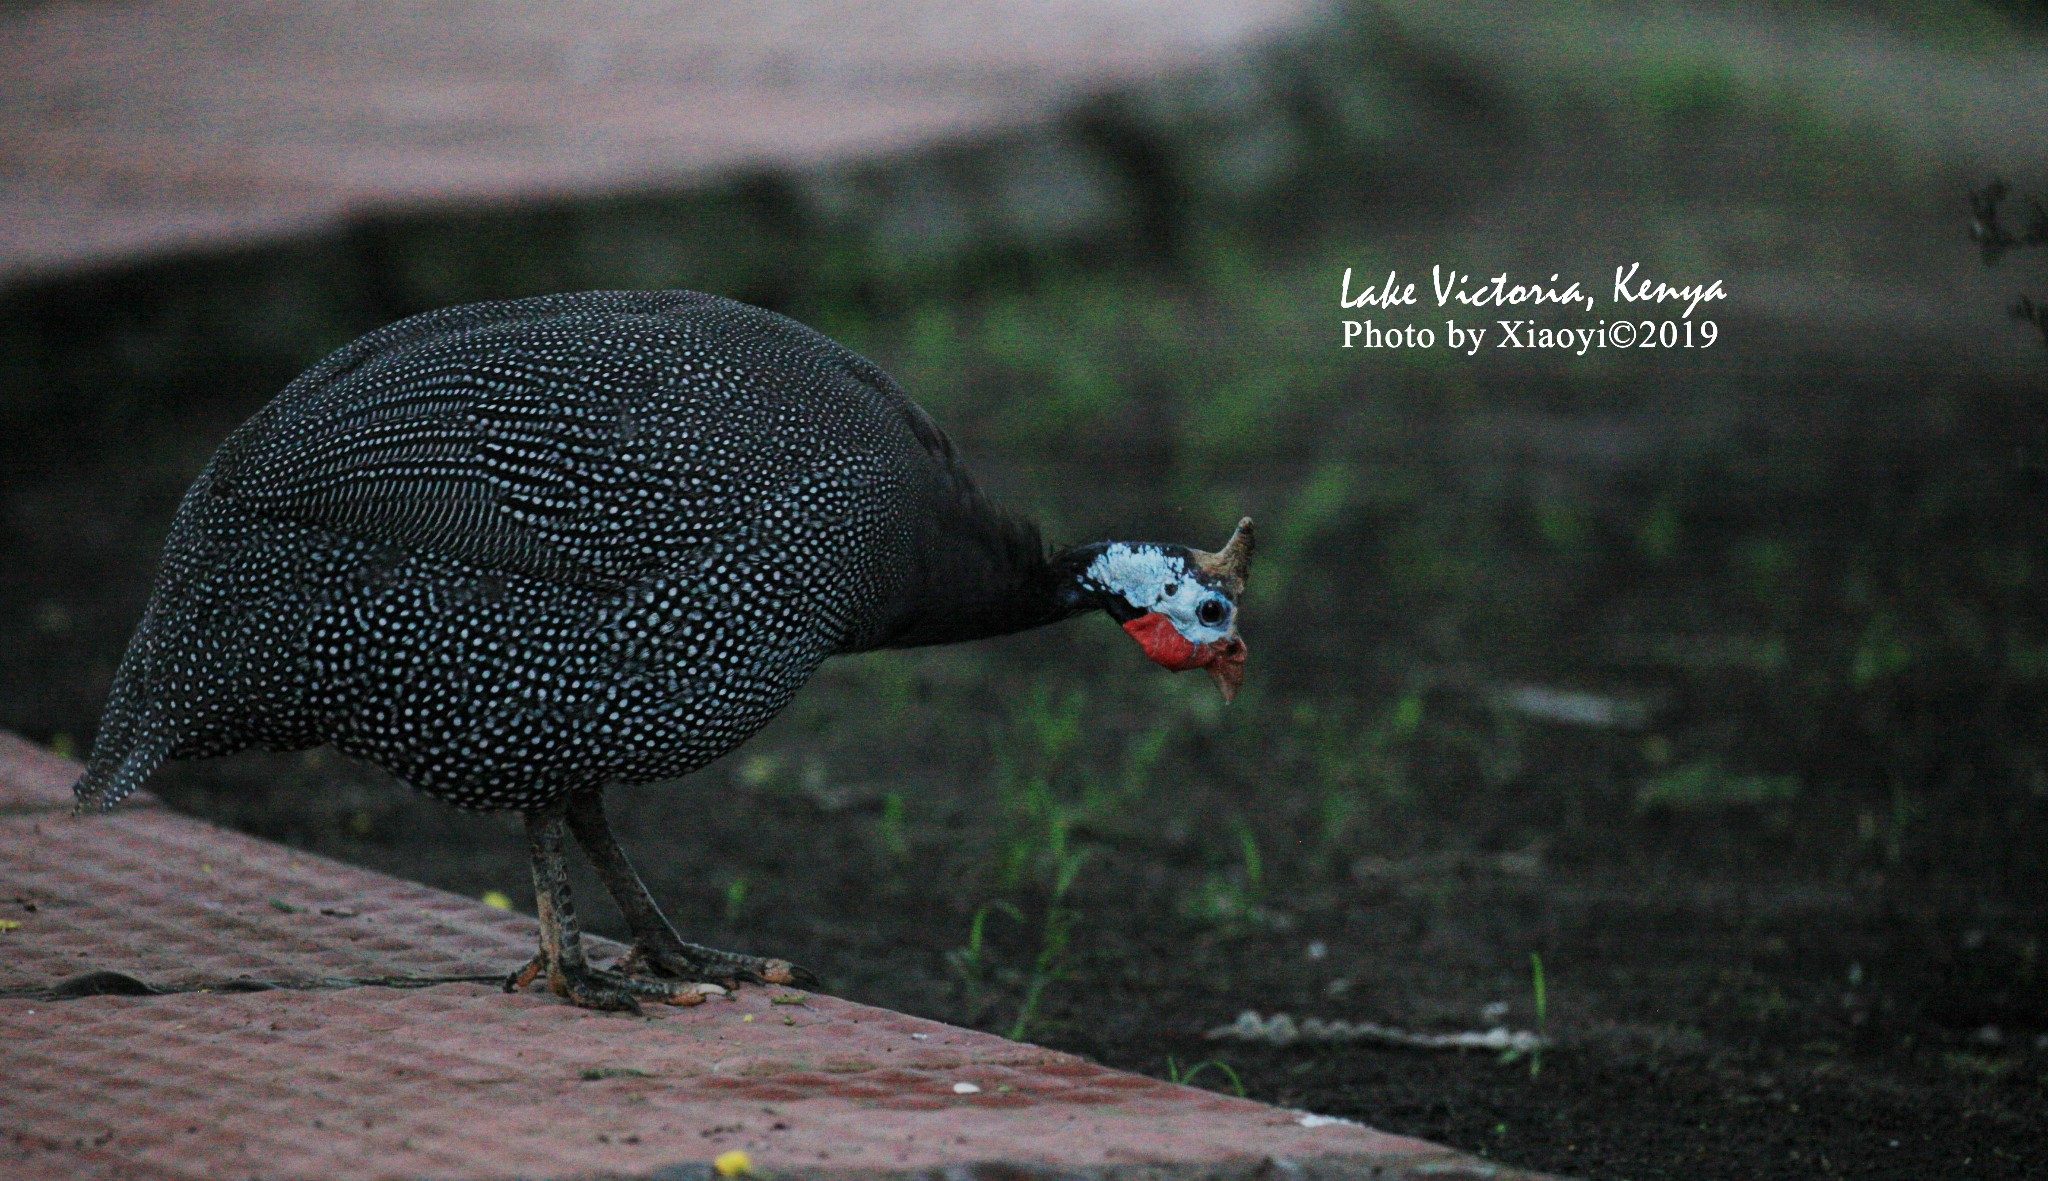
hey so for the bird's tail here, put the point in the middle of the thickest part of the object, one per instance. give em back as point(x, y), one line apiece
point(133, 739)
point(113, 775)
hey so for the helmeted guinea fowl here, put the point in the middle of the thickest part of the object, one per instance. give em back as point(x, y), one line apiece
point(512, 552)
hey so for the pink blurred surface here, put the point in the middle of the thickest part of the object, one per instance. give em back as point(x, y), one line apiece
point(134, 129)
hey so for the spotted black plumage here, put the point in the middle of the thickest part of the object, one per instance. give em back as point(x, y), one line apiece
point(512, 552)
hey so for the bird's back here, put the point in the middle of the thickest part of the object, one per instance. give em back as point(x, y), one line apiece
point(506, 550)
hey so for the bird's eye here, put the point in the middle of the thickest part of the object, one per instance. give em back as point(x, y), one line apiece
point(1211, 612)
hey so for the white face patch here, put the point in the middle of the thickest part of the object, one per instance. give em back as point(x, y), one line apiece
point(1151, 579)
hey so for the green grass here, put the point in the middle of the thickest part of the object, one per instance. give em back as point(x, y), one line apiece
point(1707, 786)
point(1187, 1077)
point(736, 897)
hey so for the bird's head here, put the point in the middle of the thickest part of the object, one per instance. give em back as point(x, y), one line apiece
point(1178, 603)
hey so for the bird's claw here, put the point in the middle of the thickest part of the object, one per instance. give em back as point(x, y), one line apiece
point(526, 974)
point(612, 990)
point(687, 961)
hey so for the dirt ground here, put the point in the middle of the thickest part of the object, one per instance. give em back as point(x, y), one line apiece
point(1682, 711)
point(1716, 1008)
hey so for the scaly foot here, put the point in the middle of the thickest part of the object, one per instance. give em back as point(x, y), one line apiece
point(598, 988)
point(678, 960)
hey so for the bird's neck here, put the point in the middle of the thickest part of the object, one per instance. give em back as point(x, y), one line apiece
point(1009, 584)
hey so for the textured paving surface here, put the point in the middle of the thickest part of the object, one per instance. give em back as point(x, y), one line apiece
point(330, 1076)
point(134, 128)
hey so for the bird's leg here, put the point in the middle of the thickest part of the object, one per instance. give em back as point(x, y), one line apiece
point(657, 950)
point(561, 960)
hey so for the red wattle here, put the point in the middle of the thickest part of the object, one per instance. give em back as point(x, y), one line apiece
point(1168, 649)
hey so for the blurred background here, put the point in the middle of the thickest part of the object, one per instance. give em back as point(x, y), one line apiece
point(1683, 706)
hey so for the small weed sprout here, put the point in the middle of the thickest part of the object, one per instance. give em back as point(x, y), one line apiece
point(1232, 896)
point(1254, 865)
point(1357, 765)
point(891, 830)
point(1186, 1078)
point(1541, 993)
point(1317, 507)
point(1905, 810)
point(1705, 786)
point(735, 897)
point(1029, 756)
point(1141, 758)
point(971, 962)
point(1055, 939)
point(1047, 968)
point(1042, 809)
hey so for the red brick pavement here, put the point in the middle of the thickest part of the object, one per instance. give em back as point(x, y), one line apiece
point(135, 128)
point(334, 1077)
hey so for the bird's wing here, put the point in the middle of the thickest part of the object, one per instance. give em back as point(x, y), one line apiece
point(590, 440)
